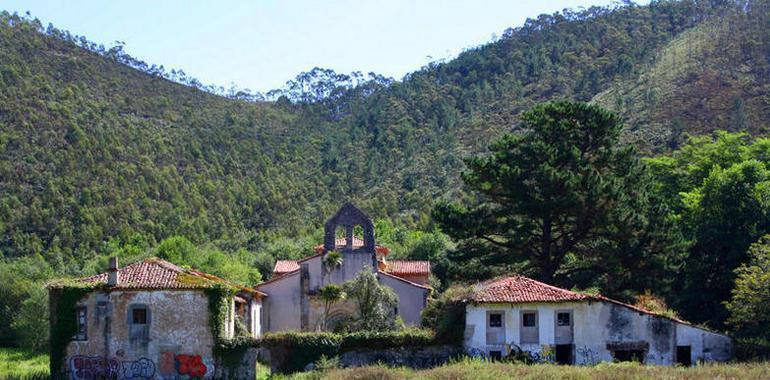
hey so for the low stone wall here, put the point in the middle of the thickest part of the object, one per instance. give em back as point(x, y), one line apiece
point(245, 368)
point(418, 358)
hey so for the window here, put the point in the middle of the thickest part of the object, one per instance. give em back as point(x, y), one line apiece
point(139, 320)
point(139, 316)
point(495, 320)
point(529, 330)
point(529, 319)
point(563, 319)
point(81, 315)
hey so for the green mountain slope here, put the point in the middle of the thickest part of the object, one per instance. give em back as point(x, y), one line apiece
point(91, 149)
point(713, 76)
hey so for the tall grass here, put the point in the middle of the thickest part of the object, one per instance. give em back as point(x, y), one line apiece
point(24, 365)
point(477, 369)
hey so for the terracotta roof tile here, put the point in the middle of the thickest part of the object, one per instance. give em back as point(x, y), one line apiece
point(520, 289)
point(285, 266)
point(407, 267)
point(155, 273)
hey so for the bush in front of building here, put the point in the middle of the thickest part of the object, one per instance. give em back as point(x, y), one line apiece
point(293, 351)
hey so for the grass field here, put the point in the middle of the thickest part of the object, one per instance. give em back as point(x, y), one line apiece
point(19, 364)
point(472, 369)
point(16, 364)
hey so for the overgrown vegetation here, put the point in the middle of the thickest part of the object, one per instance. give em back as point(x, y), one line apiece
point(476, 369)
point(101, 154)
point(298, 349)
point(65, 297)
point(18, 364)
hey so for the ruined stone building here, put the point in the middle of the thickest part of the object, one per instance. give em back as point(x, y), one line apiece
point(149, 320)
point(558, 325)
point(291, 303)
point(152, 319)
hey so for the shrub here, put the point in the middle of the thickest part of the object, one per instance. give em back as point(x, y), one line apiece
point(298, 349)
point(375, 303)
point(387, 339)
point(446, 315)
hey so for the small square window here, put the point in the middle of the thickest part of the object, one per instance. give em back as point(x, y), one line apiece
point(563, 319)
point(529, 319)
point(139, 316)
point(81, 316)
point(496, 320)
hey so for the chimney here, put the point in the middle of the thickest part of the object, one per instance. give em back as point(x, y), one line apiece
point(112, 276)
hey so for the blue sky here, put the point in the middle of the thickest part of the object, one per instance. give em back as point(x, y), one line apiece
point(260, 44)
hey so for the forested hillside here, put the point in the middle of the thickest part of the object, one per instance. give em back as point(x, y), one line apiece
point(100, 153)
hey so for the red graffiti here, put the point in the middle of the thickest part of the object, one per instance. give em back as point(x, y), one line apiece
point(191, 365)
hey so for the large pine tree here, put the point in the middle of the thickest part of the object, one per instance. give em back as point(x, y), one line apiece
point(557, 199)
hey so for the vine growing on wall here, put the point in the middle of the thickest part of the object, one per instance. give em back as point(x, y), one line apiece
point(227, 351)
point(64, 299)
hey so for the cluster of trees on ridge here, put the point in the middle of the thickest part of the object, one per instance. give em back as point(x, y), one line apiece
point(97, 158)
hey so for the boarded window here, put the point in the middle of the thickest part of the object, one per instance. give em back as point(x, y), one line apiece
point(563, 319)
point(81, 315)
point(139, 320)
point(529, 329)
point(495, 320)
point(529, 319)
point(139, 316)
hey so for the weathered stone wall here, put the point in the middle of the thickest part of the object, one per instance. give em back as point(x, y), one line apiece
point(418, 358)
point(414, 357)
point(177, 343)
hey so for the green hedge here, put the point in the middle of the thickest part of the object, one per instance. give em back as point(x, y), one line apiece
point(303, 348)
point(387, 339)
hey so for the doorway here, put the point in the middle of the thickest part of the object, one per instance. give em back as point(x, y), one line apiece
point(564, 354)
point(684, 355)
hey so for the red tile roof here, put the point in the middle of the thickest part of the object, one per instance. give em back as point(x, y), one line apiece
point(520, 289)
point(396, 267)
point(155, 273)
point(285, 266)
point(407, 267)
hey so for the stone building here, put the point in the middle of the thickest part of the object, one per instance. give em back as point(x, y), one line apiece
point(149, 320)
point(558, 325)
point(291, 303)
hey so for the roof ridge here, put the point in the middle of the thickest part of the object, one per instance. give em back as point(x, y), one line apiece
point(404, 280)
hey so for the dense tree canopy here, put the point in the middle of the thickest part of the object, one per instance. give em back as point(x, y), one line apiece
point(553, 198)
point(103, 154)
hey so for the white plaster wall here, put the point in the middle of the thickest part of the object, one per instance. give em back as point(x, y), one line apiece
point(281, 308)
point(256, 318)
point(411, 299)
point(594, 325)
point(705, 345)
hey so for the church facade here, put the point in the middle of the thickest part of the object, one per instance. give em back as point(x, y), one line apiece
point(291, 301)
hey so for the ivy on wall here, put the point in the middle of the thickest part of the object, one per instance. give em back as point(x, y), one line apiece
point(64, 299)
point(228, 352)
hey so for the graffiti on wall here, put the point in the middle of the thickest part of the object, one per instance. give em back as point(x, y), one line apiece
point(94, 367)
point(587, 355)
point(98, 367)
point(191, 365)
point(171, 365)
point(140, 369)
